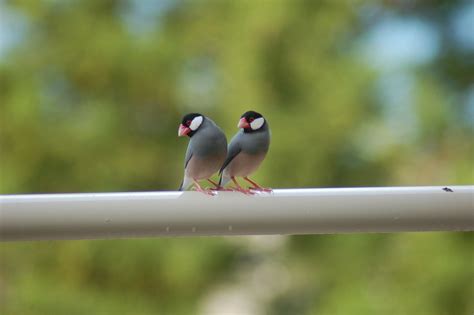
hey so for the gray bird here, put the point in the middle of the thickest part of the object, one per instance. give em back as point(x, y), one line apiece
point(206, 151)
point(246, 151)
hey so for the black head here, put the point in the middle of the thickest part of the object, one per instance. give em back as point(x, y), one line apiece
point(251, 121)
point(190, 124)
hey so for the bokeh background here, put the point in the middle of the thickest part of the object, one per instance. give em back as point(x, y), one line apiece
point(357, 93)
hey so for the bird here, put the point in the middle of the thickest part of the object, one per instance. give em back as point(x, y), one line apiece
point(246, 151)
point(207, 150)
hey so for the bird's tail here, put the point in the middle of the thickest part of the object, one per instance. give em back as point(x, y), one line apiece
point(185, 183)
point(223, 180)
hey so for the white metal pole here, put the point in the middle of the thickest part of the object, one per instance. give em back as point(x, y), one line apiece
point(285, 211)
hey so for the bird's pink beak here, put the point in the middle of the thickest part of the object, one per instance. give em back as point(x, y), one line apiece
point(183, 130)
point(243, 123)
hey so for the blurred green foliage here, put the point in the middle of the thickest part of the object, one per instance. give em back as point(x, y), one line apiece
point(90, 99)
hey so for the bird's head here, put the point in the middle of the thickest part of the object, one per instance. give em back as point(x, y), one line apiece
point(190, 124)
point(251, 121)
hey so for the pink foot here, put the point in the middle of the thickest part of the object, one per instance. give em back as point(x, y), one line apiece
point(244, 191)
point(208, 192)
point(221, 189)
point(263, 189)
point(257, 187)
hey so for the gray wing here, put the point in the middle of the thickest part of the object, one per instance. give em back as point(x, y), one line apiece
point(187, 158)
point(189, 155)
point(232, 151)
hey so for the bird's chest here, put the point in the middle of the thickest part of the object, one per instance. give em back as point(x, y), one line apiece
point(202, 167)
point(244, 164)
point(255, 143)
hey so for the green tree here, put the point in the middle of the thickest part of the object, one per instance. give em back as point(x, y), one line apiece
point(90, 100)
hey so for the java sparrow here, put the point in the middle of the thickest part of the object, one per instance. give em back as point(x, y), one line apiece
point(206, 151)
point(246, 151)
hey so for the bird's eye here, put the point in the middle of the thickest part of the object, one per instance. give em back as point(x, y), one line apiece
point(188, 122)
point(251, 119)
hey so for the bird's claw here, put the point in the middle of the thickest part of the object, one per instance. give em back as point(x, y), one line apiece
point(244, 191)
point(208, 192)
point(221, 189)
point(262, 189)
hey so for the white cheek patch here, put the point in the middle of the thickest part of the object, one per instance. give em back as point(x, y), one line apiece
point(257, 123)
point(197, 121)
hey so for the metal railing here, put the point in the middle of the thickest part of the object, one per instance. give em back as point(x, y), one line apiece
point(285, 211)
